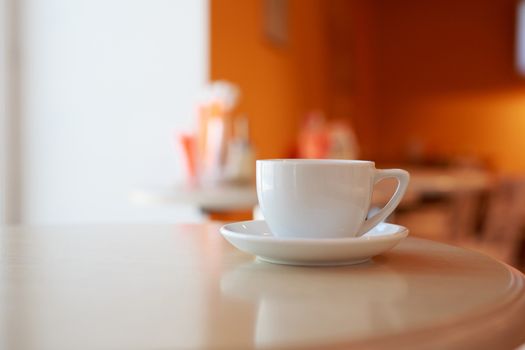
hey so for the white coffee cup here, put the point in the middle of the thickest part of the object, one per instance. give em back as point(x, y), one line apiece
point(322, 198)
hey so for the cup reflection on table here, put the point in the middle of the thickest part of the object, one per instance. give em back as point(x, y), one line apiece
point(335, 304)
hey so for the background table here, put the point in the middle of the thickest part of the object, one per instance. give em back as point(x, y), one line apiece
point(432, 182)
point(221, 198)
point(172, 287)
point(424, 181)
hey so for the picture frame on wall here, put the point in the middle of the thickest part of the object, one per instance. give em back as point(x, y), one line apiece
point(275, 21)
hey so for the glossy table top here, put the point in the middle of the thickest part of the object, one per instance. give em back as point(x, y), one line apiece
point(179, 287)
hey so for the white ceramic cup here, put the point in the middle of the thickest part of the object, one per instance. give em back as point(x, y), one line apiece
point(318, 198)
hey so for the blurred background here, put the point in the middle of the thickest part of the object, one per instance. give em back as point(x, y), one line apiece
point(154, 111)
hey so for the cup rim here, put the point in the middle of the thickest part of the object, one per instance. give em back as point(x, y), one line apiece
point(304, 161)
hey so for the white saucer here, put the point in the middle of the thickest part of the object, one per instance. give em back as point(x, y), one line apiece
point(255, 238)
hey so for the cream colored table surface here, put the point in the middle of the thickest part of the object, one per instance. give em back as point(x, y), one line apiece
point(182, 287)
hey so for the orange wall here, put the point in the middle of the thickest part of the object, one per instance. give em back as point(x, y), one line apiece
point(352, 73)
point(326, 65)
point(490, 126)
point(437, 72)
point(446, 78)
point(279, 84)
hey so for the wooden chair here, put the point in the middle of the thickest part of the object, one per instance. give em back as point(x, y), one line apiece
point(503, 223)
point(444, 220)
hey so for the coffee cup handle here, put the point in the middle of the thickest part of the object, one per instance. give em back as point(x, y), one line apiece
point(403, 178)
